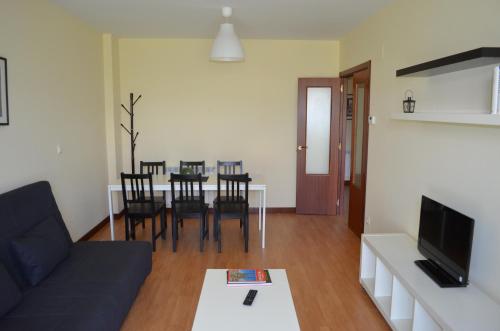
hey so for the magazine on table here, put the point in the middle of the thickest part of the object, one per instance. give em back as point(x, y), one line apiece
point(248, 277)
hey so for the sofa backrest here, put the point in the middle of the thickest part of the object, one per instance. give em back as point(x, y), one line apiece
point(21, 210)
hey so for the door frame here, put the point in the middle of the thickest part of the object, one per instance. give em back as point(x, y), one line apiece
point(344, 75)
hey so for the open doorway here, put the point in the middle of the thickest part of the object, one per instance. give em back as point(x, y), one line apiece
point(354, 152)
point(347, 144)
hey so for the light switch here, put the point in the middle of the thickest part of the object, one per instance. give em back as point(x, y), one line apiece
point(372, 120)
point(58, 149)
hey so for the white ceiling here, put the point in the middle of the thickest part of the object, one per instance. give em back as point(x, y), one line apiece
point(269, 19)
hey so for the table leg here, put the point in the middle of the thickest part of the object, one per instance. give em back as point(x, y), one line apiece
point(264, 220)
point(260, 210)
point(111, 215)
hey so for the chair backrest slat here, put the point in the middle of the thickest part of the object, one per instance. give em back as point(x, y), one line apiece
point(192, 167)
point(155, 167)
point(230, 167)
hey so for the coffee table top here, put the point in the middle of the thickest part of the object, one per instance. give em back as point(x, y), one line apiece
point(221, 307)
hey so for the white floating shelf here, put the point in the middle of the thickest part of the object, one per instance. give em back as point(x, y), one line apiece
point(456, 118)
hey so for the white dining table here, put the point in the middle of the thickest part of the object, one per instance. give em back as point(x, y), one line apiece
point(161, 183)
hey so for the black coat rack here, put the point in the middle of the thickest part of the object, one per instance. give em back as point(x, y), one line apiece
point(133, 135)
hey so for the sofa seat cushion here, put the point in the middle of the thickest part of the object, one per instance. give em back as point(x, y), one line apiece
point(40, 250)
point(92, 289)
point(10, 295)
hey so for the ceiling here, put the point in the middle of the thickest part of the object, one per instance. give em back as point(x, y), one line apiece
point(267, 19)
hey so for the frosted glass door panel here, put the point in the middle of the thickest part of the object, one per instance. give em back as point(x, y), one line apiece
point(319, 105)
point(360, 115)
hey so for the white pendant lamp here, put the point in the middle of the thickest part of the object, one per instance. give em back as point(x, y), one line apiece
point(227, 46)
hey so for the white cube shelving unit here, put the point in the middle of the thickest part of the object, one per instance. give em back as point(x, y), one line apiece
point(409, 300)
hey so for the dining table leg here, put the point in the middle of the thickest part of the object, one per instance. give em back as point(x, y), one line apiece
point(260, 210)
point(111, 214)
point(264, 219)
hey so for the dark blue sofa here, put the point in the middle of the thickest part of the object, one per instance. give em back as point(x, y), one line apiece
point(93, 285)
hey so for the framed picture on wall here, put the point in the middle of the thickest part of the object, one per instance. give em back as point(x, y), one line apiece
point(349, 107)
point(4, 96)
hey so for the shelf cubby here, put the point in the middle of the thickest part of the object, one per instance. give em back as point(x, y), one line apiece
point(383, 287)
point(368, 268)
point(384, 303)
point(422, 321)
point(383, 280)
point(402, 306)
point(402, 325)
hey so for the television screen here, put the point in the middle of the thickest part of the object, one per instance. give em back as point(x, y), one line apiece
point(445, 237)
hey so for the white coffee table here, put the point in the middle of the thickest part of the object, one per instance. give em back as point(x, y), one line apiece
point(221, 307)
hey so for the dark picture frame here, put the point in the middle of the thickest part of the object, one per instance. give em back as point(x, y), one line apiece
point(4, 93)
point(349, 107)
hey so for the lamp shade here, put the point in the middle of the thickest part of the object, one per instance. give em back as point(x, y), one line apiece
point(227, 46)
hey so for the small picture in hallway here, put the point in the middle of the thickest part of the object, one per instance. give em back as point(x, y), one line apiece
point(349, 107)
point(4, 101)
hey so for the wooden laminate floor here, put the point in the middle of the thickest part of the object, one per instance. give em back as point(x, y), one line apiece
point(320, 254)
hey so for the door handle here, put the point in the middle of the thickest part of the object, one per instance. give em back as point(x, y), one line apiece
point(299, 148)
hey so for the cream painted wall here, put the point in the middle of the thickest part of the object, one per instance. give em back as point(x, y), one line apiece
point(56, 97)
point(459, 165)
point(196, 109)
point(111, 64)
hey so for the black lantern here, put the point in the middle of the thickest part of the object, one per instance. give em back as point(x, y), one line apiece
point(409, 102)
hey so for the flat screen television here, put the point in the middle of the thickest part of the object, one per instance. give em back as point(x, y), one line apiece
point(445, 239)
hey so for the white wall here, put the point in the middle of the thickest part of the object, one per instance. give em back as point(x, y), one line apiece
point(195, 109)
point(458, 165)
point(112, 113)
point(56, 97)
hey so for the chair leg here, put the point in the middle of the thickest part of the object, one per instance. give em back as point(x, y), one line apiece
point(174, 233)
point(177, 229)
point(182, 222)
point(207, 227)
point(202, 230)
point(215, 225)
point(219, 235)
point(153, 231)
point(132, 228)
point(163, 220)
point(127, 230)
point(166, 218)
point(241, 223)
point(143, 221)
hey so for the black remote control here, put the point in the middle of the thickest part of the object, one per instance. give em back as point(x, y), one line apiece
point(250, 297)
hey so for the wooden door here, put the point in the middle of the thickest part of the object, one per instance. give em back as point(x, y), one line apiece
point(359, 150)
point(317, 145)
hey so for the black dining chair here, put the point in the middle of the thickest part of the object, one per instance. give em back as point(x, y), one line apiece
point(140, 204)
point(154, 168)
point(187, 204)
point(231, 204)
point(230, 167)
point(192, 167)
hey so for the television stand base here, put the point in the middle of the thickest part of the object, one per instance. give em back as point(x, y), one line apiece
point(438, 275)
